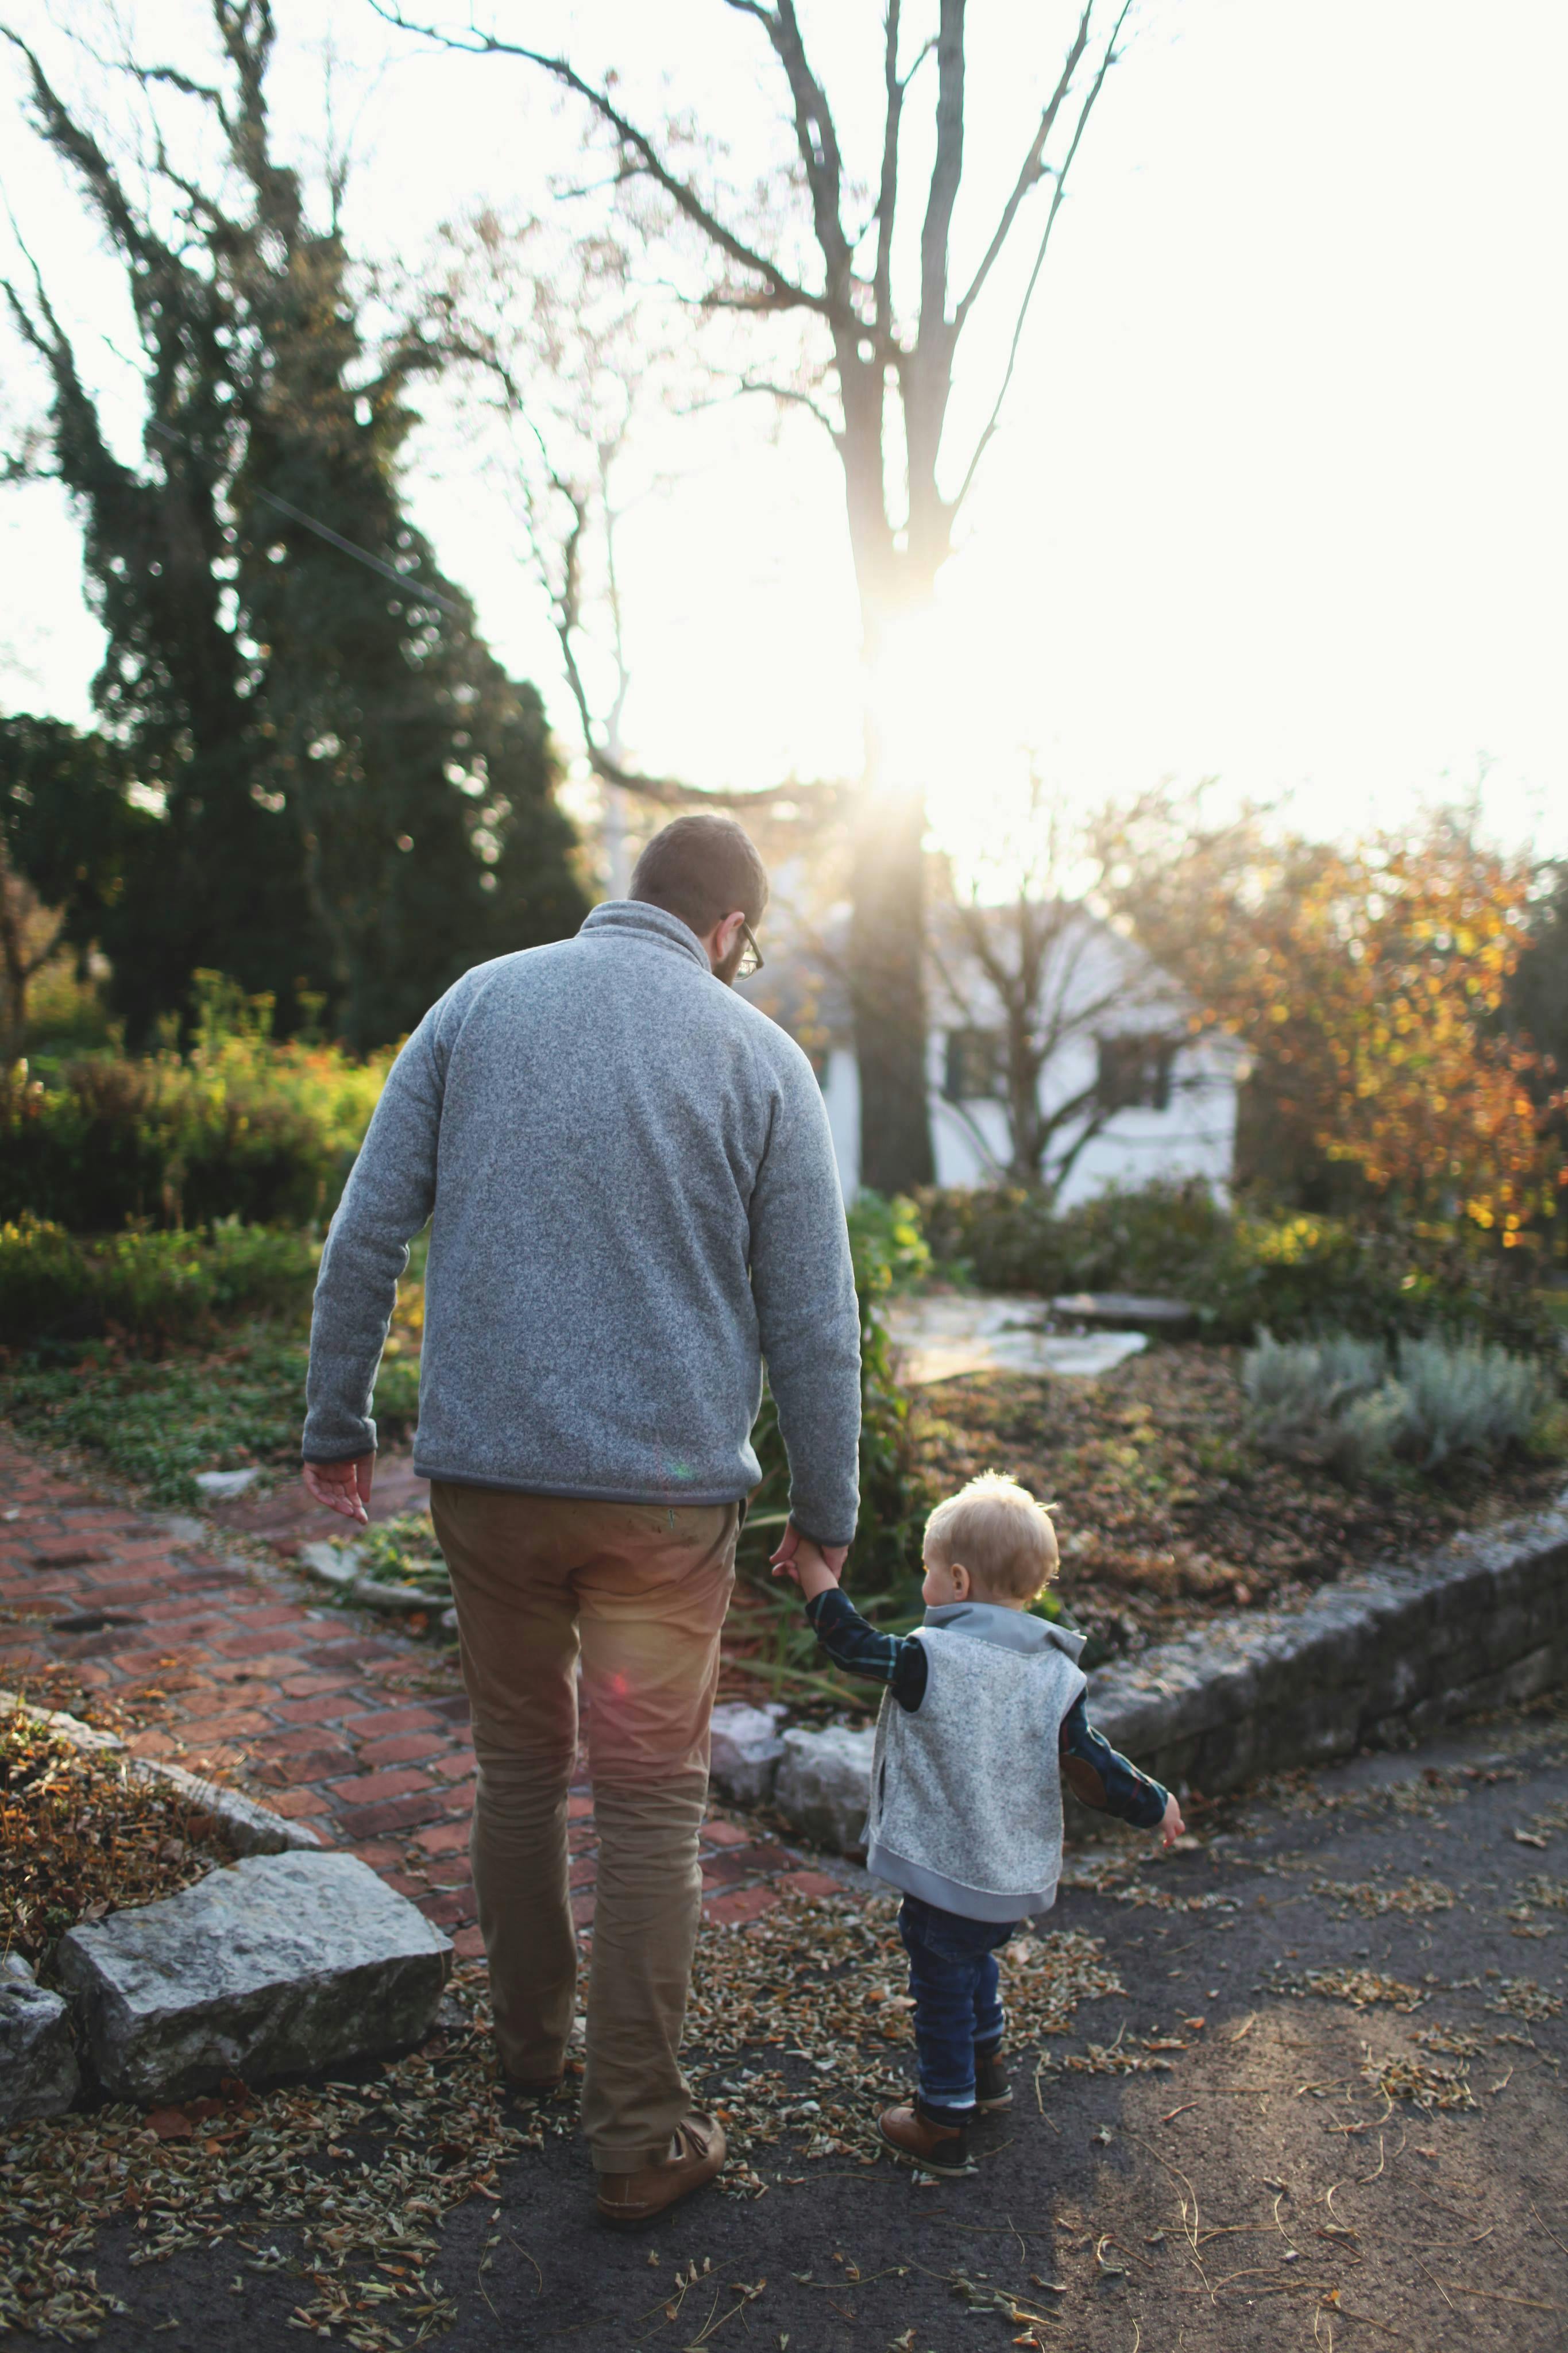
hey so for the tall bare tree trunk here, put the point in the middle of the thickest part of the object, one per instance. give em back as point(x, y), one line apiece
point(887, 979)
point(879, 349)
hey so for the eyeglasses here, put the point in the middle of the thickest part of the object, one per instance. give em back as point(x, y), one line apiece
point(750, 956)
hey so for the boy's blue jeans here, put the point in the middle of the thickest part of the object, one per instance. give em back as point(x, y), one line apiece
point(958, 2008)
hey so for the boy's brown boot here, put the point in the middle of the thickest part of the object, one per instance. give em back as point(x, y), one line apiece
point(696, 2151)
point(927, 2141)
point(992, 2089)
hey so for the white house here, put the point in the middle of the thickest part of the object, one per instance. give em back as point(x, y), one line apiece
point(1157, 1099)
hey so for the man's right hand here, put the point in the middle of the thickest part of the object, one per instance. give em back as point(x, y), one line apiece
point(342, 1487)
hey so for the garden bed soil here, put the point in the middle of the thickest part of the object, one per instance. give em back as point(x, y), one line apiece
point(1167, 1513)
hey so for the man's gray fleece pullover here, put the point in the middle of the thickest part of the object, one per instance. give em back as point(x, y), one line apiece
point(633, 1201)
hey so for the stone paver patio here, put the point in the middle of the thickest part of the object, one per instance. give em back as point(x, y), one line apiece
point(327, 1716)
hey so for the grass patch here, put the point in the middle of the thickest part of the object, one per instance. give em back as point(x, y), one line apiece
point(153, 1425)
point(152, 1421)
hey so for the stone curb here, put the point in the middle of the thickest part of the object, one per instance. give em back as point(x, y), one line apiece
point(252, 1829)
point(1379, 1659)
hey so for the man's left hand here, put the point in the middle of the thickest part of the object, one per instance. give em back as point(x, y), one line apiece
point(342, 1487)
point(783, 1561)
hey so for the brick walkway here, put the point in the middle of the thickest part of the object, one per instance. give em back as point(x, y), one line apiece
point(327, 1716)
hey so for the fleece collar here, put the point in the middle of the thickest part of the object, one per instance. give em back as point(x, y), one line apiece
point(1010, 1630)
point(634, 918)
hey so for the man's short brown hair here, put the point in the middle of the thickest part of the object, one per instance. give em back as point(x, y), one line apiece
point(997, 1531)
point(701, 868)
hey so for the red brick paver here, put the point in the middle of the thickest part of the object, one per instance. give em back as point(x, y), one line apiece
point(294, 1699)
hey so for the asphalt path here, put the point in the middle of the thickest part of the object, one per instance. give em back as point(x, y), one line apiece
point(1273, 2183)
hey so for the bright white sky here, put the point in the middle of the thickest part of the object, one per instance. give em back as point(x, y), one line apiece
point(1282, 494)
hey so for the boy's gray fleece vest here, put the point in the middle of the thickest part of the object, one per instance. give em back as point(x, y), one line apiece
point(966, 1797)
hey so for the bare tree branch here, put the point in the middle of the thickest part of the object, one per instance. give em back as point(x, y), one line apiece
point(1061, 979)
point(887, 188)
point(791, 393)
point(1031, 171)
point(1107, 61)
point(781, 293)
point(947, 169)
point(817, 139)
point(53, 346)
point(188, 88)
point(69, 138)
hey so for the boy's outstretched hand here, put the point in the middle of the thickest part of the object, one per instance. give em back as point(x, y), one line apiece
point(1172, 1826)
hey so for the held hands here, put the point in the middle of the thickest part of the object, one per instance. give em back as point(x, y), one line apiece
point(342, 1487)
point(1172, 1826)
point(814, 1568)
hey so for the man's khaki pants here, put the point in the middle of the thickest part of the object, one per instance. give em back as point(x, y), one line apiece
point(641, 1589)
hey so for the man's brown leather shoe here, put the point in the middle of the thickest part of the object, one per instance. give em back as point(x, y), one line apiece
point(937, 2147)
point(533, 2087)
point(697, 2151)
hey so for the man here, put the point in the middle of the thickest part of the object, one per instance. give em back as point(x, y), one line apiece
point(632, 1201)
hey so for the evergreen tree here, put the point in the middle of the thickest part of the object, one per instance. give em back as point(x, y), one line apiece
point(1538, 993)
point(67, 834)
point(353, 798)
point(1537, 1009)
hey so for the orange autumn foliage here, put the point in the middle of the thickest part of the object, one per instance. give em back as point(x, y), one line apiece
point(1369, 981)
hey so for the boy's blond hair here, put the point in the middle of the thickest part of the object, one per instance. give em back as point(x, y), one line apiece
point(997, 1530)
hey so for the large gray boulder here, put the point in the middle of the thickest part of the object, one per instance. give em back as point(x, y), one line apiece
point(275, 1965)
point(39, 2076)
point(824, 1787)
point(747, 1750)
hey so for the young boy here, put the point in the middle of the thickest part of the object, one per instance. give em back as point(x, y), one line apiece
point(984, 1715)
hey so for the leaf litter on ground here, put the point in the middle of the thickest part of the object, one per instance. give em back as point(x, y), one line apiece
point(81, 1836)
point(347, 2184)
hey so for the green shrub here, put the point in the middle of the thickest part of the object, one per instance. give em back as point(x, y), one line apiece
point(1469, 1400)
point(240, 1126)
point(883, 1567)
point(888, 1244)
point(1244, 1269)
point(1154, 1238)
point(403, 1551)
point(1315, 1375)
point(1356, 1407)
point(1327, 1401)
point(43, 1278)
point(145, 1286)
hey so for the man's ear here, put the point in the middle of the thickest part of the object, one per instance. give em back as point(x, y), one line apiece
point(724, 940)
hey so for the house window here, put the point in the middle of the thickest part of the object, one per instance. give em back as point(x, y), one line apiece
point(1135, 1073)
point(975, 1062)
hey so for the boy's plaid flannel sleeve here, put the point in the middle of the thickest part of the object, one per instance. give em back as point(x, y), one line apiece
point(1102, 1777)
point(862, 1649)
